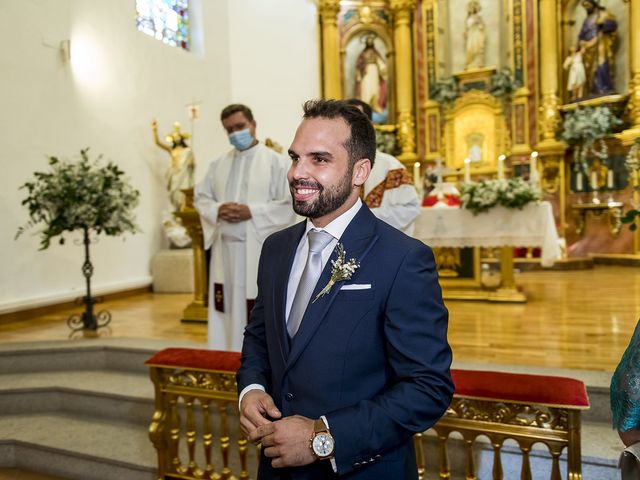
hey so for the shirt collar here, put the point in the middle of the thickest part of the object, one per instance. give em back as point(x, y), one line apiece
point(338, 225)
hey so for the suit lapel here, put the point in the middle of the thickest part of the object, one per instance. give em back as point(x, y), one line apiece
point(357, 240)
point(281, 281)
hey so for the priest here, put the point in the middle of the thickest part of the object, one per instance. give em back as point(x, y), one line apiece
point(243, 198)
point(389, 191)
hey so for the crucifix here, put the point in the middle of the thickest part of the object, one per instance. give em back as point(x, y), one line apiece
point(440, 170)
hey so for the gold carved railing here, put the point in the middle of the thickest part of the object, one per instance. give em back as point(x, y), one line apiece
point(195, 432)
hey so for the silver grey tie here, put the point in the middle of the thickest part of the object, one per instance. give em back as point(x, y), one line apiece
point(318, 240)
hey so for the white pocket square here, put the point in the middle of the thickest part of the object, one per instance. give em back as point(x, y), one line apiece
point(356, 286)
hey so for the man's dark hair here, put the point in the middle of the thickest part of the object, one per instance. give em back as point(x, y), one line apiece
point(362, 141)
point(364, 106)
point(235, 108)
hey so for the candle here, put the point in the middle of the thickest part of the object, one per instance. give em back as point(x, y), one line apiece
point(416, 175)
point(467, 170)
point(610, 179)
point(533, 165)
point(501, 167)
point(594, 180)
point(579, 185)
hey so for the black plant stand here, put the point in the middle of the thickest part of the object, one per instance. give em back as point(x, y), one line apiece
point(87, 321)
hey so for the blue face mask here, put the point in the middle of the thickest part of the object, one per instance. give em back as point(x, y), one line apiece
point(242, 139)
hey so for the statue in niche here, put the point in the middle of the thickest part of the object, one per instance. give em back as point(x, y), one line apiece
point(474, 147)
point(178, 176)
point(597, 40)
point(474, 36)
point(576, 77)
point(371, 79)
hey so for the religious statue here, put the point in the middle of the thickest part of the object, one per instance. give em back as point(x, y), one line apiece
point(598, 173)
point(474, 36)
point(371, 79)
point(596, 40)
point(577, 76)
point(178, 176)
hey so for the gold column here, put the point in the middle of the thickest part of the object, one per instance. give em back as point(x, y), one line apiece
point(629, 135)
point(549, 114)
point(331, 85)
point(430, 107)
point(196, 311)
point(402, 10)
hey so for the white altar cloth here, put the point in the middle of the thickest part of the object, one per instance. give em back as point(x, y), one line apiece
point(533, 226)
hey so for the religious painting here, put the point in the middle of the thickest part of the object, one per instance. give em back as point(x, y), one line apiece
point(367, 73)
point(595, 49)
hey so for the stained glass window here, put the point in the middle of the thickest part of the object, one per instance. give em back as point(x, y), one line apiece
point(166, 20)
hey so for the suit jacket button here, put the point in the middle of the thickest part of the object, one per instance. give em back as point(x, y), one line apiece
point(289, 397)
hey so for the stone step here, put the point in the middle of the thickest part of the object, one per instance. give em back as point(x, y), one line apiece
point(57, 397)
point(76, 448)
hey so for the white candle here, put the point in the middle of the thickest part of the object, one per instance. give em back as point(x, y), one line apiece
point(594, 180)
point(533, 165)
point(416, 175)
point(579, 185)
point(467, 170)
point(610, 179)
point(501, 167)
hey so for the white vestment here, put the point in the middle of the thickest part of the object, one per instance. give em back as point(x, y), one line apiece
point(390, 194)
point(256, 177)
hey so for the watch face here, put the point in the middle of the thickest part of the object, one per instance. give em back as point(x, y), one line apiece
point(323, 445)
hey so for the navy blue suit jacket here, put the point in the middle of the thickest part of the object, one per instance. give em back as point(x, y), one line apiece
point(375, 361)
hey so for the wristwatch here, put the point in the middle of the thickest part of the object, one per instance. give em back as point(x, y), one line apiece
point(322, 443)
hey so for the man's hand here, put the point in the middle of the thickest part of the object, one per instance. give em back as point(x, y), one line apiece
point(225, 211)
point(256, 408)
point(286, 441)
point(242, 212)
point(233, 212)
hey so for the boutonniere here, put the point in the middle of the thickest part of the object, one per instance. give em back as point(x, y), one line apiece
point(340, 271)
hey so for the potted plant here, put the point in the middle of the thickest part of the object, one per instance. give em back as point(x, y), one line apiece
point(82, 195)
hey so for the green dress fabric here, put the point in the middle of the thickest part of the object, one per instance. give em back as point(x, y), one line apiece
point(625, 387)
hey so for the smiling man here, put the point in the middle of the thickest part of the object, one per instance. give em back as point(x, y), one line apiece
point(343, 360)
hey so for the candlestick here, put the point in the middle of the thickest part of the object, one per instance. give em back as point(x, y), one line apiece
point(579, 184)
point(610, 179)
point(594, 180)
point(533, 165)
point(416, 175)
point(467, 170)
point(501, 167)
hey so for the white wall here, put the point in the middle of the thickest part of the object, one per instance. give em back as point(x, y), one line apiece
point(274, 58)
point(118, 79)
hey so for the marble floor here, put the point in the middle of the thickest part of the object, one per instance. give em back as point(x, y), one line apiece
point(573, 319)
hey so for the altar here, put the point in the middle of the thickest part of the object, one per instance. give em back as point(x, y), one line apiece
point(533, 226)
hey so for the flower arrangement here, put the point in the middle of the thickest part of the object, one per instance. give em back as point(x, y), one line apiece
point(444, 90)
point(79, 195)
point(510, 193)
point(502, 83)
point(585, 128)
point(340, 271)
point(632, 163)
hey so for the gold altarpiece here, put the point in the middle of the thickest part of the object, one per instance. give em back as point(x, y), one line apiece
point(422, 42)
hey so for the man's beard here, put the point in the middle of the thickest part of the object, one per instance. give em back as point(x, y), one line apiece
point(327, 200)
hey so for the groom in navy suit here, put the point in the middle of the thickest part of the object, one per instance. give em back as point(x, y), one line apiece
point(346, 354)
